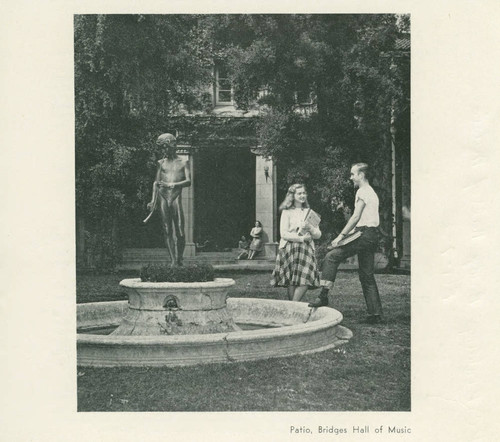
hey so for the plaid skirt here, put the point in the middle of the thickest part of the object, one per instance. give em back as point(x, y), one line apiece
point(296, 265)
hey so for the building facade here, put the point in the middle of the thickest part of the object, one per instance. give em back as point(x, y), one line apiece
point(233, 185)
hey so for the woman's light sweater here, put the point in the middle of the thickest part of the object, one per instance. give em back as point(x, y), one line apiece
point(290, 223)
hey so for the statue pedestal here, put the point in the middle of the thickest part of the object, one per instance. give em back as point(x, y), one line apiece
point(270, 250)
point(190, 250)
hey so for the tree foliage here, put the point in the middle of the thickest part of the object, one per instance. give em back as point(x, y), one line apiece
point(131, 73)
point(136, 75)
point(345, 63)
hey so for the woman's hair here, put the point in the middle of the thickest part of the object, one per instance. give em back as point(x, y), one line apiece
point(257, 221)
point(288, 201)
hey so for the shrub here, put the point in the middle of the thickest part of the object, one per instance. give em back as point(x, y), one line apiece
point(101, 252)
point(165, 273)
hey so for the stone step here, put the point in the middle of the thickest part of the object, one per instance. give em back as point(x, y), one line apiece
point(266, 266)
point(163, 251)
point(161, 255)
point(134, 259)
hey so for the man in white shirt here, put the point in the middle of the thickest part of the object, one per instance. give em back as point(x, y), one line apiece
point(365, 219)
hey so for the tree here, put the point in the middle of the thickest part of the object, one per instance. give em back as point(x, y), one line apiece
point(344, 63)
point(131, 73)
point(135, 73)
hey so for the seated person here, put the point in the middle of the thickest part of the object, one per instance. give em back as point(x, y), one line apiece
point(256, 245)
point(243, 248)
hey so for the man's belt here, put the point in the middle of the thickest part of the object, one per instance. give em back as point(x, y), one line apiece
point(363, 228)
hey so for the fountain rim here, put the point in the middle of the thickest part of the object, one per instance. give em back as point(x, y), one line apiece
point(328, 317)
point(134, 283)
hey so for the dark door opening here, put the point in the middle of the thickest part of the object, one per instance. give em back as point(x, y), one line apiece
point(224, 197)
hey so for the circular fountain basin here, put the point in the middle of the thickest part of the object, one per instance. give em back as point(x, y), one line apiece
point(269, 328)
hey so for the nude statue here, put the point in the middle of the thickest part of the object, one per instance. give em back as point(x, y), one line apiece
point(173, 174)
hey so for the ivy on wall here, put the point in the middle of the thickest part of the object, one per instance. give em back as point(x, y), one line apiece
point(137, 76)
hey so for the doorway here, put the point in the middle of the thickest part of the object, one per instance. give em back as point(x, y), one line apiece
point(224, 197)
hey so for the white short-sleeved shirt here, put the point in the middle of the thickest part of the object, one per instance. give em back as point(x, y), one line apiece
point(369, 216)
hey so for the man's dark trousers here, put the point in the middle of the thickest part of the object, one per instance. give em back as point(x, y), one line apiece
point(365, 247)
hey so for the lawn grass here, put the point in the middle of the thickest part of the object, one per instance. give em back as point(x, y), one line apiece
point(371, 373)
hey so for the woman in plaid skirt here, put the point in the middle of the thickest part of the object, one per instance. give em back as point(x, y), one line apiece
point(296, 266)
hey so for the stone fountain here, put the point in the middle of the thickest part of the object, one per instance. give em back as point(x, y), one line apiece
point(176, 324)
point(183, 308)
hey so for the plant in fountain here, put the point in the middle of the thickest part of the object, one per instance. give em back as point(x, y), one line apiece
point(164, 273)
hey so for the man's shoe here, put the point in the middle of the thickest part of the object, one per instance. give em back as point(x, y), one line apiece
point(374, 319)
point(322, 300)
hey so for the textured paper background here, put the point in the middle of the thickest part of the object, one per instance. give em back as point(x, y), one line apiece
point(455, 280)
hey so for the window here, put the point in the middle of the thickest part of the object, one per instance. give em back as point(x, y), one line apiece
point(303, 97)
point(223, 89)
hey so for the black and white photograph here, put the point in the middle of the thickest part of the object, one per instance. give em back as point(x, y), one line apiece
point(249, 222)
point(243, 212)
